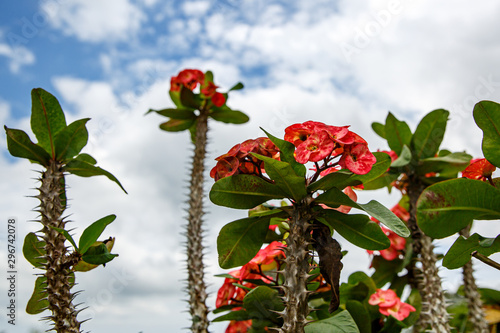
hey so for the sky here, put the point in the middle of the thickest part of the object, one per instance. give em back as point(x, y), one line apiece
point(338, 62)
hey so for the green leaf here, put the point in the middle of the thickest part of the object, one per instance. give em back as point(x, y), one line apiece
point(261, 302)
point(335, 179)
point(403, 159)
point(229, 116)
point(38, 301)
point(490, 296)
point(448, 164)
point(34, 250)
point(339, 323)
point(181, 114)
point(343, 178)
point(98, 255)
point(397, 133)
point(385, 180)
point(70, 140)
point(189, 99)
point(335, 197)
point(86, 158)
point(379, 129)
point(83, 168)
point(359, 314)
point(244, 191)
point(460, 252)
point(487, 117)
point(175, 96)
point(287, 154)
point(429, 134)
point(47, 118)
point(66, 234)
point(385, 270)
point(20, 145)
point(237, 86)
point(239, 241)
point(237, 315)
point(284, 177)
point(177, 125)
point(82, 266)
point(449, 206)
point(357, 229)
point(93, 231)
point(379, 168)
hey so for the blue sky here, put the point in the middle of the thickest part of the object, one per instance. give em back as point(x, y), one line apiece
point(339, 62)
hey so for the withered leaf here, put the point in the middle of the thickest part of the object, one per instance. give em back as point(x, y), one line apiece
point(330, 265)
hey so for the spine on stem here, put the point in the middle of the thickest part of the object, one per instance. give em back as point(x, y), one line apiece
point(433, 315)
point(296, 272)
point(58, 285)
point(196, 284)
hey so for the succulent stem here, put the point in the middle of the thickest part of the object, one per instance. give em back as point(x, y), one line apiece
point(58, 262)
point(297, 271)
point(196, 285)
point(474, 303)
point(433, 315)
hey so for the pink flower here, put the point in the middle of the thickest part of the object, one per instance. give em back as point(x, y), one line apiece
point(357, 158)
point(390, 304)
point(315, 148)
point(400, 310)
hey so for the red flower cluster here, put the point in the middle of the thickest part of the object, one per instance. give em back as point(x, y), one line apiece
point(390, 304)
point(398, 243)
point(315, 141)
point(190, 78)
point(479, 169)
point(238, 159)
point(266, 259)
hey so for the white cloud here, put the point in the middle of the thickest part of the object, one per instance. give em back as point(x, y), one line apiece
point(17, 56)
point(195, 8)
point(96, 21)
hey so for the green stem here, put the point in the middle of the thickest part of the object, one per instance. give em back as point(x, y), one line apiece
point(486, 260)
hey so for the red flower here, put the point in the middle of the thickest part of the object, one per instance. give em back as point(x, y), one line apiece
point(357, 158)
point(479, 169)
point(218, 99)
point(390, 304)
point(209, 89)
point(401, 212)
point(315, 148)
point(190, 78)
point(400, 310)
point(238, 159)
point(269, 256)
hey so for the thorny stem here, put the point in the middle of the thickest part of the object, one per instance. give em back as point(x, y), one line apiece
point(474, 303)
point(434, 314)
point(296, 273)
point(58, 261)
point(196, 284)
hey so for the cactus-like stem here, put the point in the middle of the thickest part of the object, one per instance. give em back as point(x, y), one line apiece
point(474, 303)
point(433, 315)
point(196, 284)
point(297, 271)
point(59, 262)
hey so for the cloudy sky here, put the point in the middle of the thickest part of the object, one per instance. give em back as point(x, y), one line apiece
point(339, 62)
